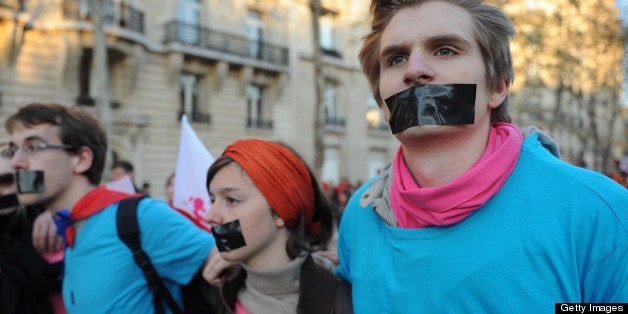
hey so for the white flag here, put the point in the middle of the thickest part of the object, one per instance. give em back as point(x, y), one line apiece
point(190, 192)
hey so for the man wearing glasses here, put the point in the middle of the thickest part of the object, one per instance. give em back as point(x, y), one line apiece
point(58, 154)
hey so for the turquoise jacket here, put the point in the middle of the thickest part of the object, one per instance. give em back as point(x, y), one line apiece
point(101, 275)
point(553, 233)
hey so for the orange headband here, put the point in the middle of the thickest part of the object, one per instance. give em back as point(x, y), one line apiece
point(280, 176)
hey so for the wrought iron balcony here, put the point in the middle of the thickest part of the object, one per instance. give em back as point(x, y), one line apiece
point(382, 126)
point(12, 4)
point(331, 52)
point(89, 101)
point(196, 116)
point(223, 42)
point(335, 121)
point(120, 14)
point(259, 124)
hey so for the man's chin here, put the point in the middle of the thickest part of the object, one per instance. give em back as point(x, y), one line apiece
point(429, 132)
point(421, 130)
point(29, 199)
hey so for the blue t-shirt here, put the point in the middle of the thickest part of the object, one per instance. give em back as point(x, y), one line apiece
point(553, 233)
point(101, 275)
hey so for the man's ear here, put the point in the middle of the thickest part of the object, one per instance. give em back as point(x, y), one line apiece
point(499, 94)
point(83, 160)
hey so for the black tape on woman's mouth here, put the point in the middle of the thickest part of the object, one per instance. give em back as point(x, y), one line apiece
point(30, 181)
point(432, 104)
point(228, 236)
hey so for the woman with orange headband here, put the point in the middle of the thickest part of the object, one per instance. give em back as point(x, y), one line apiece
point(269, 213)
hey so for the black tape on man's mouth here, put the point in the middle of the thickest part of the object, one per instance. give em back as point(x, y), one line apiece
point(228, 236)
point(448, 104)
point(9, 200)
point(30, 181)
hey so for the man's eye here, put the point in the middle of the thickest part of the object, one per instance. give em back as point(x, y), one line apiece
point(445, 52)
point(33, 148)
point(396, 60)
point(8, 153)
point(9, 150)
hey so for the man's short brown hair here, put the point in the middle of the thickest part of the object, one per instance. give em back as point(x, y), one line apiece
point(78, 129)
point(492, 30)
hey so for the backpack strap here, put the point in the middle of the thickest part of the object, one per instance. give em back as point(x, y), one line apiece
point(129, 233)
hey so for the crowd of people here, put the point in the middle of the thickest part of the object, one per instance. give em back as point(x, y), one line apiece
point(619, 172)
point(340, 192)
point(473, 214)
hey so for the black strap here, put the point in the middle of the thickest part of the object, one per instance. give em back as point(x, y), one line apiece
point(129, 233)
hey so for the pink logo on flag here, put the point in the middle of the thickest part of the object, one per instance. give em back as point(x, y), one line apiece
point(198, 206)
point(190, 192)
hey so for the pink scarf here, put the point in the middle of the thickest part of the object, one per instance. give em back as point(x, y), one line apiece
point(417, 207)
point(240, 309)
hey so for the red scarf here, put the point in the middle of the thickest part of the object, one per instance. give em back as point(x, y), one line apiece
point(91, 203)
point(417, 207)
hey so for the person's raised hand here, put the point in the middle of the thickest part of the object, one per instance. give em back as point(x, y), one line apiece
point(215, 268)
point(45, 237)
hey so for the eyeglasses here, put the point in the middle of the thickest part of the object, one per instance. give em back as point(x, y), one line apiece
point(30, 147)
point(7, 179)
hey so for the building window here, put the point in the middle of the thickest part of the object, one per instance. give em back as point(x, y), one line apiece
point(113, 12)
point(254, 33)
point(332, 110)
point(189, 93)
point(374, 116)
point(329, 34)
point(86, 94)
point(85, 98)
point(376, 162)
point(258, 117)
point(331, 165)
point(188, 15)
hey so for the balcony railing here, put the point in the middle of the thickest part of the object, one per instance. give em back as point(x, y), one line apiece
point(335, 121)
point(120, 14)
point(259, 124)
point(196, 116)
point(331, 52)
point(89, 101)
point(209, 39)
point(12, 4)
point(382, 126)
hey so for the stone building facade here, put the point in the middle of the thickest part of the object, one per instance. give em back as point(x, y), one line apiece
point(236, 68)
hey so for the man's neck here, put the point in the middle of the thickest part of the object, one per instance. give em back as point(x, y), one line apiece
point(435, 161)
point(69, 197)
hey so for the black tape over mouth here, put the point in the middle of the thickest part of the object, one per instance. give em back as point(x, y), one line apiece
point(30, 181)
point(228, 236)
point(432, 104)
point(9, 200)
